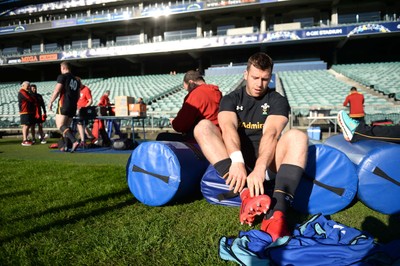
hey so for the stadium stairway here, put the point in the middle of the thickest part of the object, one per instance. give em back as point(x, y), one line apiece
point(364, 88)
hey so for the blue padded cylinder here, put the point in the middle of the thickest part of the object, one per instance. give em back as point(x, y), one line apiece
point(160, 172)
point(377, 165)
point(329, 183)
point(215, 190)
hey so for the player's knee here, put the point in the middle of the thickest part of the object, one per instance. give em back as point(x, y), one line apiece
point(64, 129)
point(204, 127)
point(297, 136)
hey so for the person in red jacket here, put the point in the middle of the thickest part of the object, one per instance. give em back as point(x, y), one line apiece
point(98, 124)
point(105, 100)
point(27, 111)
point(201, 102)
point(356, 102)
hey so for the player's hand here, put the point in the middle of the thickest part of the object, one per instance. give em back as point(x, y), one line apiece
point(255, 182)
point(50, 106)
point(237, 177)
point(44, 116)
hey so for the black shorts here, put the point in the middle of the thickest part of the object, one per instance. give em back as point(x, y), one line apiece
point(67, 111)
point(27, 119)
point(80, 121)
point(38, 121)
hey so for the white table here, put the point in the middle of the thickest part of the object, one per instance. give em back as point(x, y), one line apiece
point(118, 118)
point(329, 119)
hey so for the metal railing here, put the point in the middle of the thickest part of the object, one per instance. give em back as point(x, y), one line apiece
point(157, 120)
point(154, 121)
point(299, 115)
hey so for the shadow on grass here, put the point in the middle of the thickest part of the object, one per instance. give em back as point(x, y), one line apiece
point(74, 218)
point(75, 205)
point(186, 199)
point(383, 233)
point(12, 141)
point(16, 194)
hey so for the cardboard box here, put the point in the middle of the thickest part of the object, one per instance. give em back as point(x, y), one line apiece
point(320, 112)
point(122, 105)
point(137, 109)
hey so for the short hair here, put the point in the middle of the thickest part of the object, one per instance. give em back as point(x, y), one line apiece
point(192, 75)
point(66, 65)
point(353, 89)
point(261, 61)
point(33, 86)
point(25, 82)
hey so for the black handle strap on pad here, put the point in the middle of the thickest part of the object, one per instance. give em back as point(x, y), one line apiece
point(338, 191)
point(227, 195)
point(164, 178)
point(379, 172)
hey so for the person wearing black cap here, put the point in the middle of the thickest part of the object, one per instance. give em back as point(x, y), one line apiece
point(201, 102)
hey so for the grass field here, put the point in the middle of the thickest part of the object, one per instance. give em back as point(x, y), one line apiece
point(76, 209)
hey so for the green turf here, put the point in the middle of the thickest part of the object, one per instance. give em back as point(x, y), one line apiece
point(76, 209)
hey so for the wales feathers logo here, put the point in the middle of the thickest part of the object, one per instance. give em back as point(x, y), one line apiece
point(265, 108)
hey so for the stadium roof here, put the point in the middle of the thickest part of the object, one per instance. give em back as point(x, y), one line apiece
point(13, 4)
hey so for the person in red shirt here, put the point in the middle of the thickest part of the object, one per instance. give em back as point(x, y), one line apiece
point(201, 102)
point(105, 100)
point(98, 124)
point(356, 102)
point(85, 100)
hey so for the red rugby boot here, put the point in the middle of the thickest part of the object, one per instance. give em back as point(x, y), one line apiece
point(252, 206)
point(275, 226)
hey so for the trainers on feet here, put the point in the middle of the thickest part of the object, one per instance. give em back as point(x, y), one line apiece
point(63, 148)
point(43, 141)
point(81, 144)
point(75, 145)
point(252, 206)
point(275, 226)
point(26, 143)
point(347, 124)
